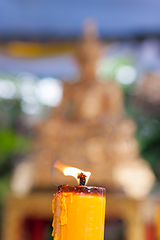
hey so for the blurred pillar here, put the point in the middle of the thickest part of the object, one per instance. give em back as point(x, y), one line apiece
point(150, 231)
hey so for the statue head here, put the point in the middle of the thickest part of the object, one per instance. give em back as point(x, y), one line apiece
point(88, 51)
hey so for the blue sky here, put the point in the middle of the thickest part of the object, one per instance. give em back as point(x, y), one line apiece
point(64, 18)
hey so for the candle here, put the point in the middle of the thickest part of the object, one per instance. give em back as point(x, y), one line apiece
point(79, 211)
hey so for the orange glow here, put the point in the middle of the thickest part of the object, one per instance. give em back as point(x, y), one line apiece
point(71, 171)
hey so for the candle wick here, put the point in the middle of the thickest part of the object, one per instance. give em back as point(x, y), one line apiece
point(82, 179)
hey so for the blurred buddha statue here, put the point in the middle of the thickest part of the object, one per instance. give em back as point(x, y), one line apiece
point(89, 130)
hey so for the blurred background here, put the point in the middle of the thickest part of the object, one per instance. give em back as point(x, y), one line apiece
point(43, 92)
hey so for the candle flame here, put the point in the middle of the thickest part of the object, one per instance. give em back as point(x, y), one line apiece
point(71, 171)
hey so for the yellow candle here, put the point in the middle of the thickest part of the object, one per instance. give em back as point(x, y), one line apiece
point(79, 213)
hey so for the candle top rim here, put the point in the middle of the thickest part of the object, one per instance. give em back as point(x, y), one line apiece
point(92, 190)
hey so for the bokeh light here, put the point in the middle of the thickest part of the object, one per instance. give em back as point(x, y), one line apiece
point(126, 75)
point(49, 91)
point(7, 89)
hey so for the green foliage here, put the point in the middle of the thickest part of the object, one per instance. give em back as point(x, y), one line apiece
point(148, 133)
point(4, 187)
point(148, 136)
point(11, 145)
point(109, 66)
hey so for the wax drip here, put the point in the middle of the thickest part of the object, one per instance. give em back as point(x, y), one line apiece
point(82, 179)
